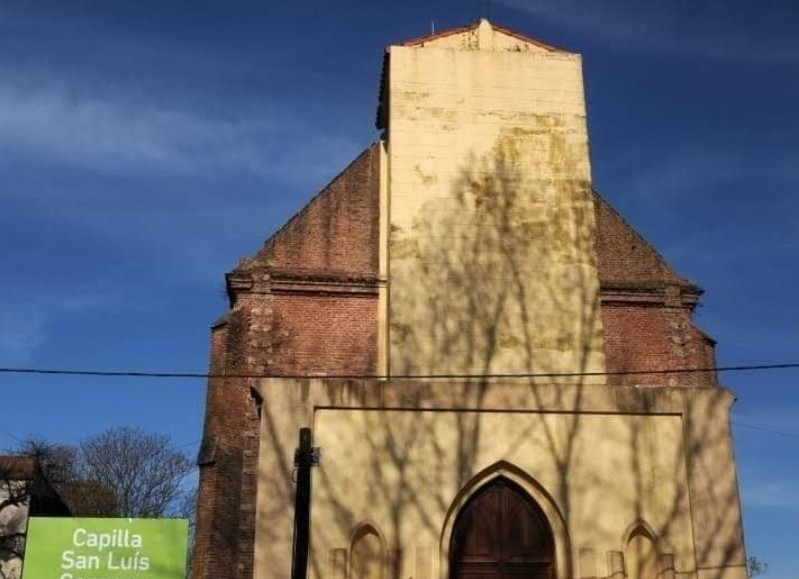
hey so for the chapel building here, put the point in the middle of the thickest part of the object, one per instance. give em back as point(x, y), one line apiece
point(495, 365)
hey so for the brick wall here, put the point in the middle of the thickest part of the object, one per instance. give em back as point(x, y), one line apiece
point(326, 334)
point(228, 405)
point(658, 338)
point(337, 231)
point(647, 309)
point(306, 303)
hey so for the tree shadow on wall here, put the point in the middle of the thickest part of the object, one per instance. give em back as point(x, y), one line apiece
point(499, 277)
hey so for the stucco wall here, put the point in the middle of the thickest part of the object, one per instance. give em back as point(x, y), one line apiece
point(492, 265)
point(603, 471)
point(468, 241)
point(400, 457)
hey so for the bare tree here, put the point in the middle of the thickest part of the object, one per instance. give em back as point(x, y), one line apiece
point(58, 462)
point(755, 567)
point(123, 471)
point(143, 469)
point(61, 465)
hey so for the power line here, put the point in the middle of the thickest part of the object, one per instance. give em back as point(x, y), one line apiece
point(144, 374)
point(192, 443)
point(764, 429)
point(156, 374)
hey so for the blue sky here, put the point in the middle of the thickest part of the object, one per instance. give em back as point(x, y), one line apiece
point(146, 146)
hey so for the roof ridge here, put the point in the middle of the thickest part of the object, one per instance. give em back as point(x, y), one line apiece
point(469, 27)
point(247, 262)
point(666, 265)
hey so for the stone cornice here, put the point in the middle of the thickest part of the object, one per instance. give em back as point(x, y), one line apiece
point(282, 281)
point(659, 294)
point(506, 395)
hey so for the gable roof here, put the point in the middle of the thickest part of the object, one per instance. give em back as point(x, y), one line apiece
point(17, 468)
point(44, 500)
point(421, 40)
point(333, 238)
point(502, 39)
point(626, 258)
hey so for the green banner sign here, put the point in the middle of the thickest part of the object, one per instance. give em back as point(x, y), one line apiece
point(75, 548)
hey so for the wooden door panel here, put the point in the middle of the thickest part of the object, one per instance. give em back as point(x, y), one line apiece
point(479, 575)
point(501, 534)
point(530, 574)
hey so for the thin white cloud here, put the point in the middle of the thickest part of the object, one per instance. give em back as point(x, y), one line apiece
point(666, 27)
point(24, 320)
point(22, 331)
point(52, 120)
point(669, 178)
point(777, 494)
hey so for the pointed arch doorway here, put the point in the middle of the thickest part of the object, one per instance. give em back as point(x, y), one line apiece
point(501, 533)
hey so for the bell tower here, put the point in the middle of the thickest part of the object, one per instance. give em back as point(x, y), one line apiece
point(491, 260)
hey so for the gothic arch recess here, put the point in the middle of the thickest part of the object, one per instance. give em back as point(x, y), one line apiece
point(519, 486)
point(642, 556)
point(367, 553)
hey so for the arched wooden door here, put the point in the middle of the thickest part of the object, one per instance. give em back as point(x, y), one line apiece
point(501, 534)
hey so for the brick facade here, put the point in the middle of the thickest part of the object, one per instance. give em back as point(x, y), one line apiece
point(646, 310)
point(307, 304)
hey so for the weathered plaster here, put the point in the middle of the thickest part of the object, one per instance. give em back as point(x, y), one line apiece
point(492, 263)
point(402, 454)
